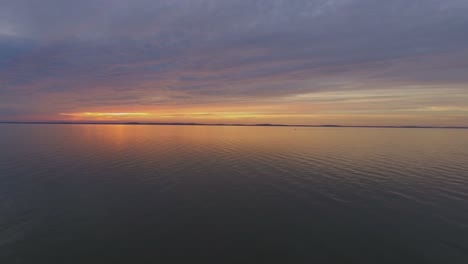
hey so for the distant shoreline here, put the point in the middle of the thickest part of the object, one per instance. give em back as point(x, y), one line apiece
point(202, 124)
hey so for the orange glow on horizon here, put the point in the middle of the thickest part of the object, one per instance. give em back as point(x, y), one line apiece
point(290, 114)
point(100, 114)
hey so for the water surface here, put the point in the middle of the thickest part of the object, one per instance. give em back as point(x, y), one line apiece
point(182, 194)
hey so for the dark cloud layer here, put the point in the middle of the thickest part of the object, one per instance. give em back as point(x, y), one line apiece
point(90, 53)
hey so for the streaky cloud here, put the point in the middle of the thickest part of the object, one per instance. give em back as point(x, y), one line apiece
point(81, 56)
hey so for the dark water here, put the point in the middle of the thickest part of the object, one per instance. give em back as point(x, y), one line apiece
point(188, 194)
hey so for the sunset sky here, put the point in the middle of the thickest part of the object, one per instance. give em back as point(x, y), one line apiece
point(348, 62)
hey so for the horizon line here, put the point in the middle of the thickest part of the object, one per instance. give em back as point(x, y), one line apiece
point(223, 124)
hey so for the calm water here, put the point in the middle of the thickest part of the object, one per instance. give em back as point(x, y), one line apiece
point(185, 194)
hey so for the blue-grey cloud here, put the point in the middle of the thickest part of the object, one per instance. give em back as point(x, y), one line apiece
point(201, 51)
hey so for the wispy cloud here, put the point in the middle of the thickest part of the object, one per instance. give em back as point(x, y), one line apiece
point(222, 55)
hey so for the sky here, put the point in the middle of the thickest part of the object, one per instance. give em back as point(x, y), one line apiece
point(348, 62)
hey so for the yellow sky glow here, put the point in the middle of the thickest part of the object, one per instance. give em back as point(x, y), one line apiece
point(98, 114)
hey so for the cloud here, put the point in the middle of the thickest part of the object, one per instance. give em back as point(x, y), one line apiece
point(99, 53)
